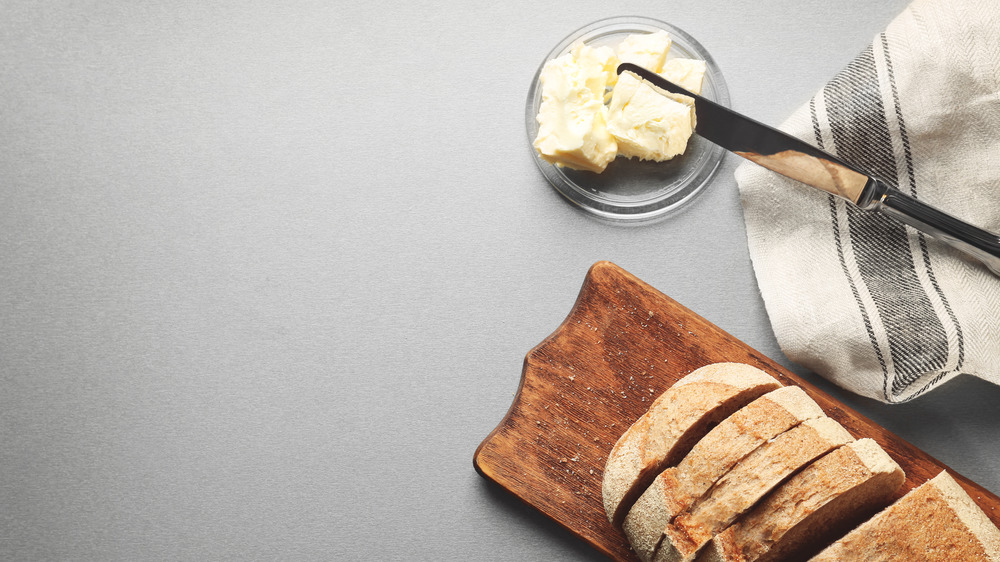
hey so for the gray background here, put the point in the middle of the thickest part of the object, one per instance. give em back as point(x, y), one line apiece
point(268, 271)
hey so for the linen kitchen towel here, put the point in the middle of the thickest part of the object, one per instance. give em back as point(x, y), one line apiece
point(877, 307)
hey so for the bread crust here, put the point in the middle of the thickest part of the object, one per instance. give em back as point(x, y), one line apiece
point(813, 507)
point(676, 488)
point(676, 420)
point(937, 521)
point(746, 484)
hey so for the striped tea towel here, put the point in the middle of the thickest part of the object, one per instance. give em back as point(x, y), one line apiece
point(879, 308)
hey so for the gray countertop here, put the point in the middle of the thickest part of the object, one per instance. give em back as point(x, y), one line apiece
point(268, 272)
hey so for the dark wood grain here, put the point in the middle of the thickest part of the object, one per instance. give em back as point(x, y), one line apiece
point(621, 346)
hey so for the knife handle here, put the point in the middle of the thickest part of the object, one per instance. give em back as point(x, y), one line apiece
point(978, 243)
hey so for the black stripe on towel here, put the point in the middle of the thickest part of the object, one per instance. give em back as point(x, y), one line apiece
point(838, 239)
point(915, 334)
point(912, 182)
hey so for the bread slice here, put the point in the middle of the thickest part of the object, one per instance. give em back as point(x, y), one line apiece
point(676, 488)
point(746, 484)
point(676, 420)
point(816, 506)
point(937, 521)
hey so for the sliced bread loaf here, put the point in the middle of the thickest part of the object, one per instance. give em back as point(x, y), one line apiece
point(676, 420)
point(936, 521)
point(749, 481)
point(814, 507)
point(676, 488)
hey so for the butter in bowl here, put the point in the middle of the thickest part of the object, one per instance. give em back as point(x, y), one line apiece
point(610, 143)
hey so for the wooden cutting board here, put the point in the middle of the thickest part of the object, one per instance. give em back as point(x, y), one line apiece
point(621, 346)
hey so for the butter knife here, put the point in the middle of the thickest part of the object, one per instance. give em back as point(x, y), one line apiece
point(800, 161)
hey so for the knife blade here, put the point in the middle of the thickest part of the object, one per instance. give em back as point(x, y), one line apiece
point(800, 161)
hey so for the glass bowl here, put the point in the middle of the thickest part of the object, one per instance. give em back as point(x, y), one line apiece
point(631, 190)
